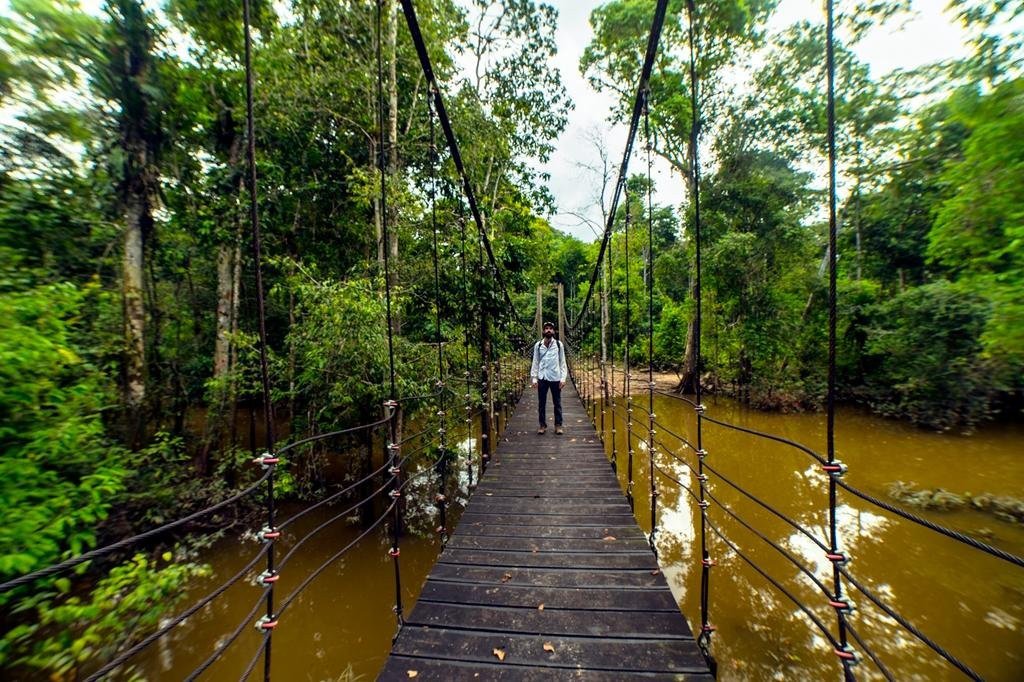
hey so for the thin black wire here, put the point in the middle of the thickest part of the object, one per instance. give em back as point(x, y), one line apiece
point(453, 147)
point(704, 640)
point(832, 279)
point(56, 569)
point(222, 647)
point(781, 550)
point(256, 657)
point(643, 83)
point(294, 593)
point(342, 432)
point(952, 534)
point(441, 499)
point(332, 520)
point(799, 528)
point(889, 611)
point(871, 654)
point(261, 313)
point(177, 620)
point(810, 615)
point(333, 496)
point(396, 521)
point(779, 439)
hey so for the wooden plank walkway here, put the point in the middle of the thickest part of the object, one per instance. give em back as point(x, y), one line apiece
point(547, 567)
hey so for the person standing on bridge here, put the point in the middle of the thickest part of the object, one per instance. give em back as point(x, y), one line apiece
point(548, 372)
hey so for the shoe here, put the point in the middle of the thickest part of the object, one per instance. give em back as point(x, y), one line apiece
point(542, 430)
point(559, 431)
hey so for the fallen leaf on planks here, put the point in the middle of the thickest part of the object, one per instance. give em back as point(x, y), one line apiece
point(500, 653)
point(412, 673)
point(609, 538)
point(549, 647)
point(540, 608)
point(505, 578)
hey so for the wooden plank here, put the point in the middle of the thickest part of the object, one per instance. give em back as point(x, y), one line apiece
point(580, 598)
point(549, 577)
point(608, 561)
point(500, 619)
point(485, 515)
point(547, 525)
point(624, 655)
point(497, 529)
point(604, 544)
point(433, 670)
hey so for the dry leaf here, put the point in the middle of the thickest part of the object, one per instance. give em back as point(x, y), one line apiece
point(609, 538)
point(656, 571)
point(489, 494)
point(505, 578)
point(412, 673)
point(500, 653)
point(549, 647)
point(540, 608)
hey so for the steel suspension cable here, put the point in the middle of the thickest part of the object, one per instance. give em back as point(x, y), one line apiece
point(649, 270)
point(440, 499)
point(269, 460)
point(628, 377)
point(706, 628)
point(844, 651)
point(393, 446)
point(653, 39)
point(453, 147)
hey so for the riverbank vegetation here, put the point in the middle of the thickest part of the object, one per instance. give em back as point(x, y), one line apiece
point(128, 305)
point(931, 299)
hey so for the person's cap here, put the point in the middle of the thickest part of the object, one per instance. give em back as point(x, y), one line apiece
point(549, 325)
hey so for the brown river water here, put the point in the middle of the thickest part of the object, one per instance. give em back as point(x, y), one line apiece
point(340, 627)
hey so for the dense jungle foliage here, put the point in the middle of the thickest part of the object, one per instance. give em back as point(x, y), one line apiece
point(127, 301)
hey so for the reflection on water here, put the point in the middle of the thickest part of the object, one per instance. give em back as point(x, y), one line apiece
point(966, 601)
point(341, 625)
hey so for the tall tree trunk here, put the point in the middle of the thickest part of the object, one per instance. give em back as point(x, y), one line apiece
point(134, 318)
point(392, 85)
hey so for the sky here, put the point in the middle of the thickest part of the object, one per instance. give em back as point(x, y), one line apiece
point(930, 36)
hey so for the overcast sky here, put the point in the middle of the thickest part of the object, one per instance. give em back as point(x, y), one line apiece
point(928, 37)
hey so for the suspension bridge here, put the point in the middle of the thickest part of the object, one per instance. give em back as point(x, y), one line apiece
point(547, 574)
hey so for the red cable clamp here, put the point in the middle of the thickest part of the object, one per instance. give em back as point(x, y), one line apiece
point(394, 552)
point(703, 504)
point(846, 606)
point(837, 558)
point(394, 447)
point(700, 409)
point(703, 478)
point(267, 534)
point(655, 494)
point(709, 562)
point(708, 627)
point(395, 494)
point(391, 403)
point(439, 529)
point(267, 578)
point(395, 471)
point(835, 469)
point(266, 459)
point(266, 623)
point(846, 653)
point(702, 453)
point(440, 499)
point(440, 413)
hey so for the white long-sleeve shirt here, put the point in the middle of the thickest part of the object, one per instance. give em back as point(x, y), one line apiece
point(549, 362)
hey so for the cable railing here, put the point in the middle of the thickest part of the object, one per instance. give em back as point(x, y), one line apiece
point(593, 395)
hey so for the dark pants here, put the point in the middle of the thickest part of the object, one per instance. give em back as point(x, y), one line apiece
point(556, 397)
